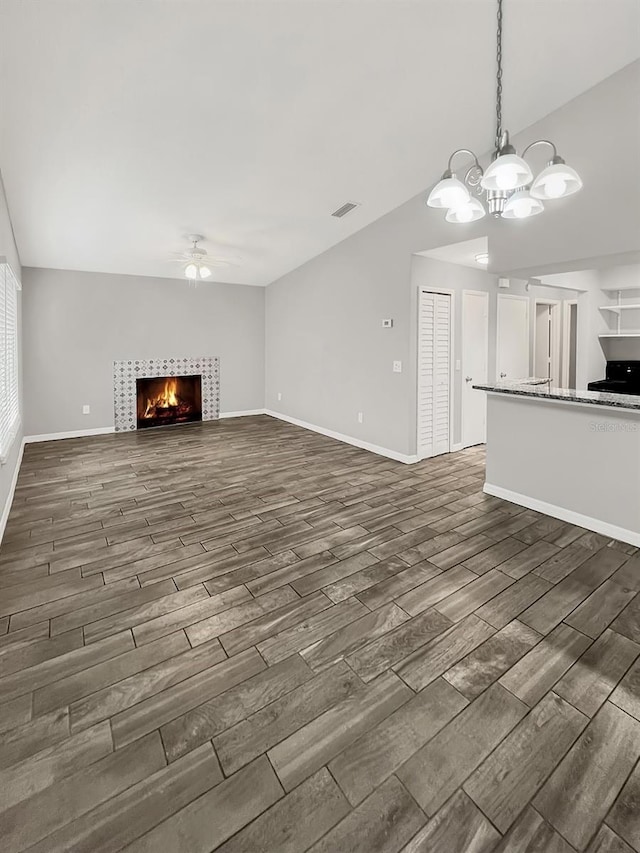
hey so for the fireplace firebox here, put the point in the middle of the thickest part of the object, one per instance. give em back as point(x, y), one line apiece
point(168, 400)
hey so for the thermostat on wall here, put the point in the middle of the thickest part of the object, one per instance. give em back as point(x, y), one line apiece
point(387, 324)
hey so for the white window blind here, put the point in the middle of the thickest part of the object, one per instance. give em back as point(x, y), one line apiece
point(9, 387)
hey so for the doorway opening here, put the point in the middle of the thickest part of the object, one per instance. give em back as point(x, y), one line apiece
point(570, 343)
point(452, 353)
point(512, 338)
point(547, 334)
point(475, 365)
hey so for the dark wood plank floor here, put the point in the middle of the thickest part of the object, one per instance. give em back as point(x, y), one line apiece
point(249, 638)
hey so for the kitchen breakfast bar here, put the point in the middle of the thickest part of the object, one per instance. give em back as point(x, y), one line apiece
point(573, 455)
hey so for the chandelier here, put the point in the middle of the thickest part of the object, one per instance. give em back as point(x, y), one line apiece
point(507, 188)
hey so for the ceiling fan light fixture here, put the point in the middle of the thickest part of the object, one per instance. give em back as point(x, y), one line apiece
point(196, 264)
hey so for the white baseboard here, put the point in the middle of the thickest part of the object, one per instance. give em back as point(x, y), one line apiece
point(76, 433)
point(456, 447)
point(595, 524)
point(347, 439)
point(242, 414)
point(7, 505)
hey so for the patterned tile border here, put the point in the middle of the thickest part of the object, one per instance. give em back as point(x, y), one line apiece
point(125, 374)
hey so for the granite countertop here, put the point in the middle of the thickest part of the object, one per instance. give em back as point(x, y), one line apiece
point(533, 388)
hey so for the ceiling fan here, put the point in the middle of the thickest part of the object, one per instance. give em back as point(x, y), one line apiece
point(197, 263)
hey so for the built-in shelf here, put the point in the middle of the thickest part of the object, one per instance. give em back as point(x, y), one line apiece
point(618, 308)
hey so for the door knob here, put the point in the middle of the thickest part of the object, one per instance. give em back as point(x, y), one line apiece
point(468, 378)
point(502, 375)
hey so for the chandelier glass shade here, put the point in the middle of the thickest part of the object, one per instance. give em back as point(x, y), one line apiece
point(556, 181)
point(449, 192)
point(467, 212)
point(507, 188)
point(521, 205)
point(507, 172)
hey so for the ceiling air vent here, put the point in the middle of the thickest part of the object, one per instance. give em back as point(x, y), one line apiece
point(346, 208)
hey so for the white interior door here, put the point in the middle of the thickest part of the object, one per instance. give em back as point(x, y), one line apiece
point(434, 374)
point(475, 366)
point(547, 336)
point(542, 342)
point(569, 342)
point(512, 344)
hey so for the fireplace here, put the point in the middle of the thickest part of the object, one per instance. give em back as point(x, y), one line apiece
point(168, 400)
point(126, 415)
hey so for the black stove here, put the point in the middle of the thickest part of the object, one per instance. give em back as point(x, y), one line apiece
point(622, 377)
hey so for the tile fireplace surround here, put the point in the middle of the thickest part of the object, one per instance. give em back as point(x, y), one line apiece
point(125, 374)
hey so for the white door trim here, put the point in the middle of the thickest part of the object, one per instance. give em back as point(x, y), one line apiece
point(527, 301)
point(485, 295)
point(452, 334)
point(566, 338)
point(556, 327)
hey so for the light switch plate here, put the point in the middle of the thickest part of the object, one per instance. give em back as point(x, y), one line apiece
point(387, 324)
point(86, 410)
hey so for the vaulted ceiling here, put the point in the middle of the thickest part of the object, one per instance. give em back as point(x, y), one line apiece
point(127, 125)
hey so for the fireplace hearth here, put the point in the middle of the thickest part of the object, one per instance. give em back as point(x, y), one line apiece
point(167, 400)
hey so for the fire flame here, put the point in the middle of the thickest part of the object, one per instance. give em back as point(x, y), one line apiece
point(166, 398)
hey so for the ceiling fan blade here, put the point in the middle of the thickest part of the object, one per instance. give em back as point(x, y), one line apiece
point(225, 262)
point(203, 258)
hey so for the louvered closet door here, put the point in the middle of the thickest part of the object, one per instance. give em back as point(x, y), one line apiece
point(433, 374)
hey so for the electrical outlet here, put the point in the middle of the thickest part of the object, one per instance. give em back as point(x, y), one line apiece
point(86, 410)
point(397, 367)
point(387, 324)
point(360, 417)
point(279, 395)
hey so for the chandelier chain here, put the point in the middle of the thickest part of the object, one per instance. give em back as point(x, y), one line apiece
point(499, 77)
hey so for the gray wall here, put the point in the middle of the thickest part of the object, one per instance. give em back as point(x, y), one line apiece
point(558, 439)
point(76, 324)
point(326, 351)
point(9, 251)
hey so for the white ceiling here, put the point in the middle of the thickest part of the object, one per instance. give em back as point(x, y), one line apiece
point(127, 125)
point(463, 254)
